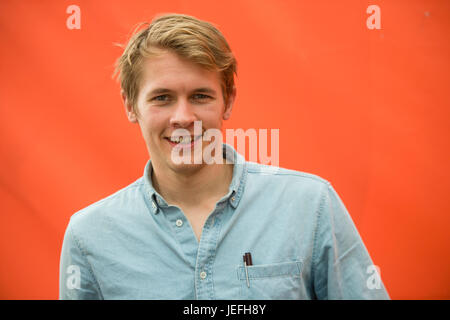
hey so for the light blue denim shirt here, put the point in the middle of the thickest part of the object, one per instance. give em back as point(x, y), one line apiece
point(303, 243)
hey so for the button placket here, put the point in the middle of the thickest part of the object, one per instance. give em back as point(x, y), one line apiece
point(204, 286)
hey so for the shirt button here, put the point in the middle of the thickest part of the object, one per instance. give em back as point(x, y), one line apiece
point(203, 275)
point(233, 199)
point(179, 222)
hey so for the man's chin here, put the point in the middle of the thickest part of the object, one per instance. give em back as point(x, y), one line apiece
point(185, 167)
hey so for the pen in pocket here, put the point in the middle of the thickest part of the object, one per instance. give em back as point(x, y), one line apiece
point(247, 262)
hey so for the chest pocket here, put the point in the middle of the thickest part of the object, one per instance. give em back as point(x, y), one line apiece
point(271, 281)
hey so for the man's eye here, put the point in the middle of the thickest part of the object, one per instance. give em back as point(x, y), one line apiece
point(201, 96)
point(163, 98)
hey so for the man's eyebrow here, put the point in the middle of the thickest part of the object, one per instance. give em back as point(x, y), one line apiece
point(165, 90)
point(158, 91)
point(205, 90)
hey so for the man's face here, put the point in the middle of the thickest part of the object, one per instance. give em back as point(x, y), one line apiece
point(175, 93)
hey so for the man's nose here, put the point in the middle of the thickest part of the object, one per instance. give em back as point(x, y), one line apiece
point(183, 114)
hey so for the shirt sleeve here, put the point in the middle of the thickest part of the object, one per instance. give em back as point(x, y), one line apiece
point(76, 280)
point(342, 267)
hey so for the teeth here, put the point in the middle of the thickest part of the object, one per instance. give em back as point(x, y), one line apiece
point(181, 139)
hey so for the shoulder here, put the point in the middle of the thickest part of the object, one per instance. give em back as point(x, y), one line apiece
point(286, 176)
point(108, 208)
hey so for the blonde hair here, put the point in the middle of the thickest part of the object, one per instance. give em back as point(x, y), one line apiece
point(196, 40)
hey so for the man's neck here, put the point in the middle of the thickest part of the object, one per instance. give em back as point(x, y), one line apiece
point(193, 187)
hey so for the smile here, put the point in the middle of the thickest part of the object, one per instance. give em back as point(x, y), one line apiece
point(183, 141)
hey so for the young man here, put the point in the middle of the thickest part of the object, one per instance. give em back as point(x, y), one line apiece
point(202, 229)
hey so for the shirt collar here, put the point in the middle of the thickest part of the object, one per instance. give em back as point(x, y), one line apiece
point(235, 189)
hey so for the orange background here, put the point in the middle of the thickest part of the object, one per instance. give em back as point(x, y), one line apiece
point(367, 110)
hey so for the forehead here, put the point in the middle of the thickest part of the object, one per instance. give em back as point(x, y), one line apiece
point(167, 69)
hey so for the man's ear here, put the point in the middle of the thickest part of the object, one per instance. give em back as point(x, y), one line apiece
point(229, 106)
point(131, 115)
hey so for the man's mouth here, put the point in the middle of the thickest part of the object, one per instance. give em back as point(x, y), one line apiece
point(183, 141)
